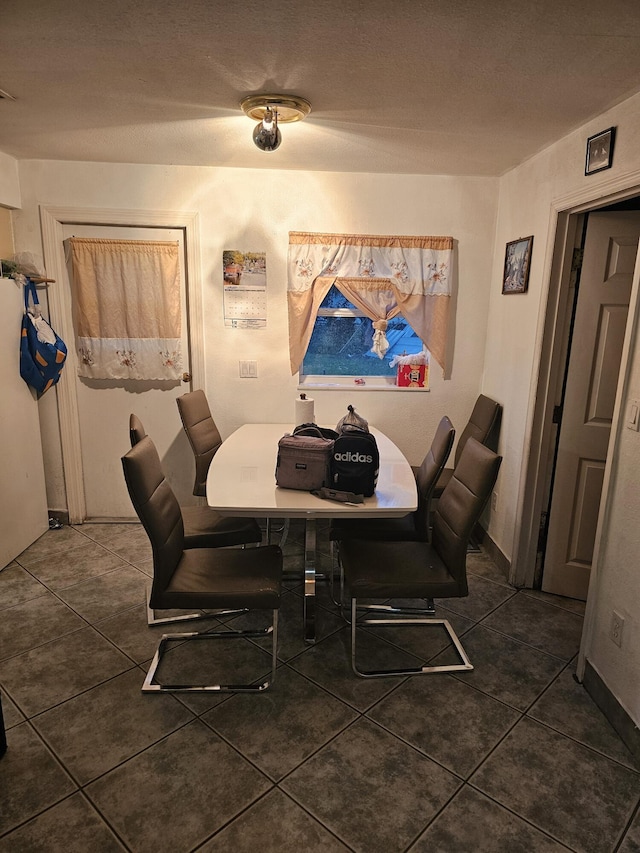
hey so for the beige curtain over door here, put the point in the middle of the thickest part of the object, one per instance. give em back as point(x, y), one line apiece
point(126, 307)
point(383, 276)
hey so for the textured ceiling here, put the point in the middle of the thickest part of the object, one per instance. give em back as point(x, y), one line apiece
point(461, 87)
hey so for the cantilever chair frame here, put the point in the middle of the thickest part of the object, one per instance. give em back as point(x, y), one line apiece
point(464, 666)
point(153, 620)
point(489, 467)
point(152, 686)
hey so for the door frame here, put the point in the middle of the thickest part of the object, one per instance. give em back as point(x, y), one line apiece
point(539, 438)
point(52, 220)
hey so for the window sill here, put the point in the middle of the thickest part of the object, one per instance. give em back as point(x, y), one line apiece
point(343, 383)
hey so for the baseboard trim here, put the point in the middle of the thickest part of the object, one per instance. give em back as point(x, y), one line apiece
point(492, 550)
point(612, 709)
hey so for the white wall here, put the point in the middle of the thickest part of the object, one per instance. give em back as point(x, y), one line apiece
point(255, 210)
point(617, 584)
point(23, 506)
point(9, 181)
point(529, 196)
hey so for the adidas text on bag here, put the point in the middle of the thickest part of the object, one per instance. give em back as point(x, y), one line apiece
point(355, 462)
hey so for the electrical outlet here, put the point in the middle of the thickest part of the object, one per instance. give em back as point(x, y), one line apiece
point(494, 501)
point(617, 628)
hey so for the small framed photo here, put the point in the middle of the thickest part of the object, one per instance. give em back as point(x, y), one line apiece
point(600, 151)
point(517, 261)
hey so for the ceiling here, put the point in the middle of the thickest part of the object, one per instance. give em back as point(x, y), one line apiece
point(460, 87)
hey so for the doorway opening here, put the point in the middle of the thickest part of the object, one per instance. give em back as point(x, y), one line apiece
point(535, 491)
point(598, 303)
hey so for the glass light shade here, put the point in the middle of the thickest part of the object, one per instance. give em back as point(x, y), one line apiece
point(266, 134)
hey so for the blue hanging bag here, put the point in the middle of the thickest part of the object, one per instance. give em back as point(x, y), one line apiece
point(42, 353)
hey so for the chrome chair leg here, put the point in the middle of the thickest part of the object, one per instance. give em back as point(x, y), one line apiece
point(429, 610)
point(284, 532)
point(152, 619)
point(335, 563)
point(151, 685)
point(464, 666)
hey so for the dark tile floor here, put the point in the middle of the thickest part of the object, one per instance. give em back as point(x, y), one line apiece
point(513, 756)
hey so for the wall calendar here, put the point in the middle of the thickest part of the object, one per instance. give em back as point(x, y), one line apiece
point(245, 289)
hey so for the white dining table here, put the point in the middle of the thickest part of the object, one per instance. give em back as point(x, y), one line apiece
point(241, 482)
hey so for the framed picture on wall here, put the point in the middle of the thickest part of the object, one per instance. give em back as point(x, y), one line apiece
point(600, 151)
point(517, 260)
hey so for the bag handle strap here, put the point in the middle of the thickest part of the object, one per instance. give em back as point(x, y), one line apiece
point(30, 290)
point(353, 429)
point(315, 430)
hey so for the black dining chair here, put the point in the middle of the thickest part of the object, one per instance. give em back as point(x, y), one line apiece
point(202, 432)
point(376, 570)
point(203, 528)
point(416, 525)
point(483, 425)
point(205, 439)
point(200, 578)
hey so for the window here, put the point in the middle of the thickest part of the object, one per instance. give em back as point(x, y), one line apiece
point(341, 341)
point(380, 276)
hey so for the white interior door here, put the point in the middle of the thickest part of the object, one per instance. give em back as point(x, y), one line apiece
point(104, 407)
point(594, 364)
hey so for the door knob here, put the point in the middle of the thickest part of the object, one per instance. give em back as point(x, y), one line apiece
point(186, 377)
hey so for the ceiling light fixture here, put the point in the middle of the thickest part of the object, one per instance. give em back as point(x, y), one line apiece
point(271, 110)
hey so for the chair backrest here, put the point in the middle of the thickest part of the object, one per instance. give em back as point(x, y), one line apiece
point(203, 435)
point(136, 430)
point(461, 505)
point(483, 424)
point(429, 471)
point(158, 510)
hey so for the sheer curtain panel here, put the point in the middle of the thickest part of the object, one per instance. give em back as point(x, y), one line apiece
point(126, 307)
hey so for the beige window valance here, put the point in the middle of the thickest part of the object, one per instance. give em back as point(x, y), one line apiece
point(383, 276)
point(126, 307)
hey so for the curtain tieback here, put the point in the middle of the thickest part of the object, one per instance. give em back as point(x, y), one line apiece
point(380, 342)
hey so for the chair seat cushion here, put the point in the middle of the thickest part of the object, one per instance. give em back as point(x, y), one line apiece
point(390, 529)
point(396, 570)
point(206, 528)
point(210, 578)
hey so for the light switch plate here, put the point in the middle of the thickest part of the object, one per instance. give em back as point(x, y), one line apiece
point(633, 415)
point(248, 369)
